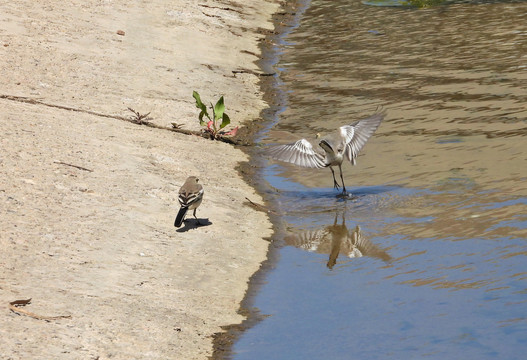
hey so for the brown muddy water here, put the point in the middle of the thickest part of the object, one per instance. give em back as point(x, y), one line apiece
point(437, 267)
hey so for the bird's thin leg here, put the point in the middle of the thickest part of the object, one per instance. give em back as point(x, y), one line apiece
point(342, 179)
point(195, 217)
point(335, 183)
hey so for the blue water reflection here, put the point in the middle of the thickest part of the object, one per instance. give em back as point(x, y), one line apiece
point(425, 299)
point(440, 195)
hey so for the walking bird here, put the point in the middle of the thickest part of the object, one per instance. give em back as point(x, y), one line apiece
point(345, 143)
point(190, 197)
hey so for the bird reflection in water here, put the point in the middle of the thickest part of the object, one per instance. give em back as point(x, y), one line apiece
point(337, 239)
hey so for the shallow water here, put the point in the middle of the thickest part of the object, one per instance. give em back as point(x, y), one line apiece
point(437, 267)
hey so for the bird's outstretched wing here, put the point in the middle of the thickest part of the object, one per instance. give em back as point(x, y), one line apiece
point(365, 246)
point(313, 240)
point(300, 153)
point(358, 134)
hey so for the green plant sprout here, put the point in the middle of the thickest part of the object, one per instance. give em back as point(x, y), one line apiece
point(214, 127)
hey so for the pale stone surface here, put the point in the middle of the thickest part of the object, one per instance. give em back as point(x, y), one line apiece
point(100, 245)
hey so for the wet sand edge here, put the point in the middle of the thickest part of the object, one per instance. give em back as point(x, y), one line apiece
point(283, 21)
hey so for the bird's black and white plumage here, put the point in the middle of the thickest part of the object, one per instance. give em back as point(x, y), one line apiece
point(190, 197)
point(345, 143)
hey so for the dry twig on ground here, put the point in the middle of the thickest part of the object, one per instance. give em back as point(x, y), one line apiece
point(16, 305)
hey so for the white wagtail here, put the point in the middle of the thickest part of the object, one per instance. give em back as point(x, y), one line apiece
point(346, 142)
point(190, 197)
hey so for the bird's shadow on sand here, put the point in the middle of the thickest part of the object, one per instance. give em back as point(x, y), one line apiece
point(194, 224)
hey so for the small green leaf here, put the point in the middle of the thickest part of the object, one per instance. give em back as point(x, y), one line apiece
point(200, 106)
point(226, 121)
point(219, 108)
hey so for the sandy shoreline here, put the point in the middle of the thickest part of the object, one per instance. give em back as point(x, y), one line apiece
point(96, 240)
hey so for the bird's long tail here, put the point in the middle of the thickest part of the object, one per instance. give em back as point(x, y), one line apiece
point(180, 216)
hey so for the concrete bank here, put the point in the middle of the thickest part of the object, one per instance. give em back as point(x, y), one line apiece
point(87, 202)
